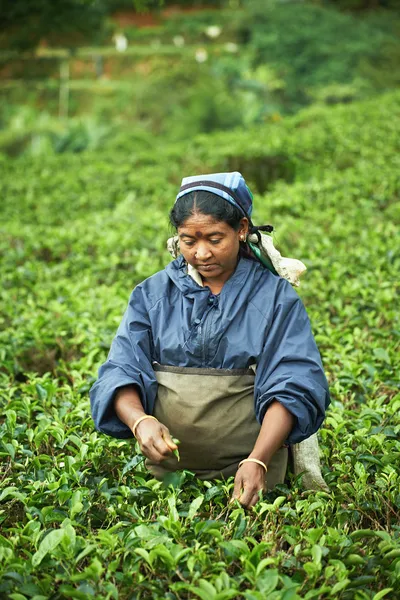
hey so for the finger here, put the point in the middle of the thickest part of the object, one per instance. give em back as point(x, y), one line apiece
point(249, 503)
point(168, 439)
point(151, 452)
point(246, 496)
point(238, 487)
point(256, 498)
point(160, 445)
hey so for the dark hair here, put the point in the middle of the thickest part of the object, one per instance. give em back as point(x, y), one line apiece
point(205, 203)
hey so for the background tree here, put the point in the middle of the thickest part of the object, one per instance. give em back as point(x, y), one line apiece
point(24, 24)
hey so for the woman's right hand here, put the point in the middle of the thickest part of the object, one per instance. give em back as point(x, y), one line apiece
point(154, 440)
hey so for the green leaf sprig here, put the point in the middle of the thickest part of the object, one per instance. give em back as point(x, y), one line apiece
point(176, 452)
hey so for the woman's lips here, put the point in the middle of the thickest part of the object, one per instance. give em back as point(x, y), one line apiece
point(206, 267)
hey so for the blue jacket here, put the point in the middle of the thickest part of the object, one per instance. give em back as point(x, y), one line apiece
point(256, 319)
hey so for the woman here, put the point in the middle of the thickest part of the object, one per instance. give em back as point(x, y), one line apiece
point(215, 350)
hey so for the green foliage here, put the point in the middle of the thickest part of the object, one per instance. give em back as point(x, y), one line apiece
point(358, 5)
point(80, 516)
point(311, 47)
point(26, 23)
point(84, 219)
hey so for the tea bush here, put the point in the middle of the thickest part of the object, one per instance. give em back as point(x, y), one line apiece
point(80, 517)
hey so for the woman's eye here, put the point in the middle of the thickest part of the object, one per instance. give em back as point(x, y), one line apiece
point(189, 244)
point(214, 242)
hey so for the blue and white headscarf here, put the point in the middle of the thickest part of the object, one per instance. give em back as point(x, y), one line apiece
point(230, 186)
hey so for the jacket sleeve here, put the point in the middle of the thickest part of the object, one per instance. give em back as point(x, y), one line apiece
point(128, 362)
point(290, 368)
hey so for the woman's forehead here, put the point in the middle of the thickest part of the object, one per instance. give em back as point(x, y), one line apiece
point(201, 225)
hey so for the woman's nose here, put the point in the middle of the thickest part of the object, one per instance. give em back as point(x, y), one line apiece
point(203, 252)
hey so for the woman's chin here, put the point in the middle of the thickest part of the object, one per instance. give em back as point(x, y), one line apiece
point(208, 268)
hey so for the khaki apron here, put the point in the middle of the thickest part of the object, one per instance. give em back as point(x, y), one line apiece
point(211, 412)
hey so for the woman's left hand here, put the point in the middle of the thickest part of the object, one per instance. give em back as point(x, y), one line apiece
point(249, 482)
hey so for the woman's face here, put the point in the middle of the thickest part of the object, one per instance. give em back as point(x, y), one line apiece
point(211, 246)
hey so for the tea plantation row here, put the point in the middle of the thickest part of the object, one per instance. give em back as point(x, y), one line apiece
point(80, 517)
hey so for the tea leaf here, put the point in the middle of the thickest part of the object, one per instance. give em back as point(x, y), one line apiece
point(50, 543)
